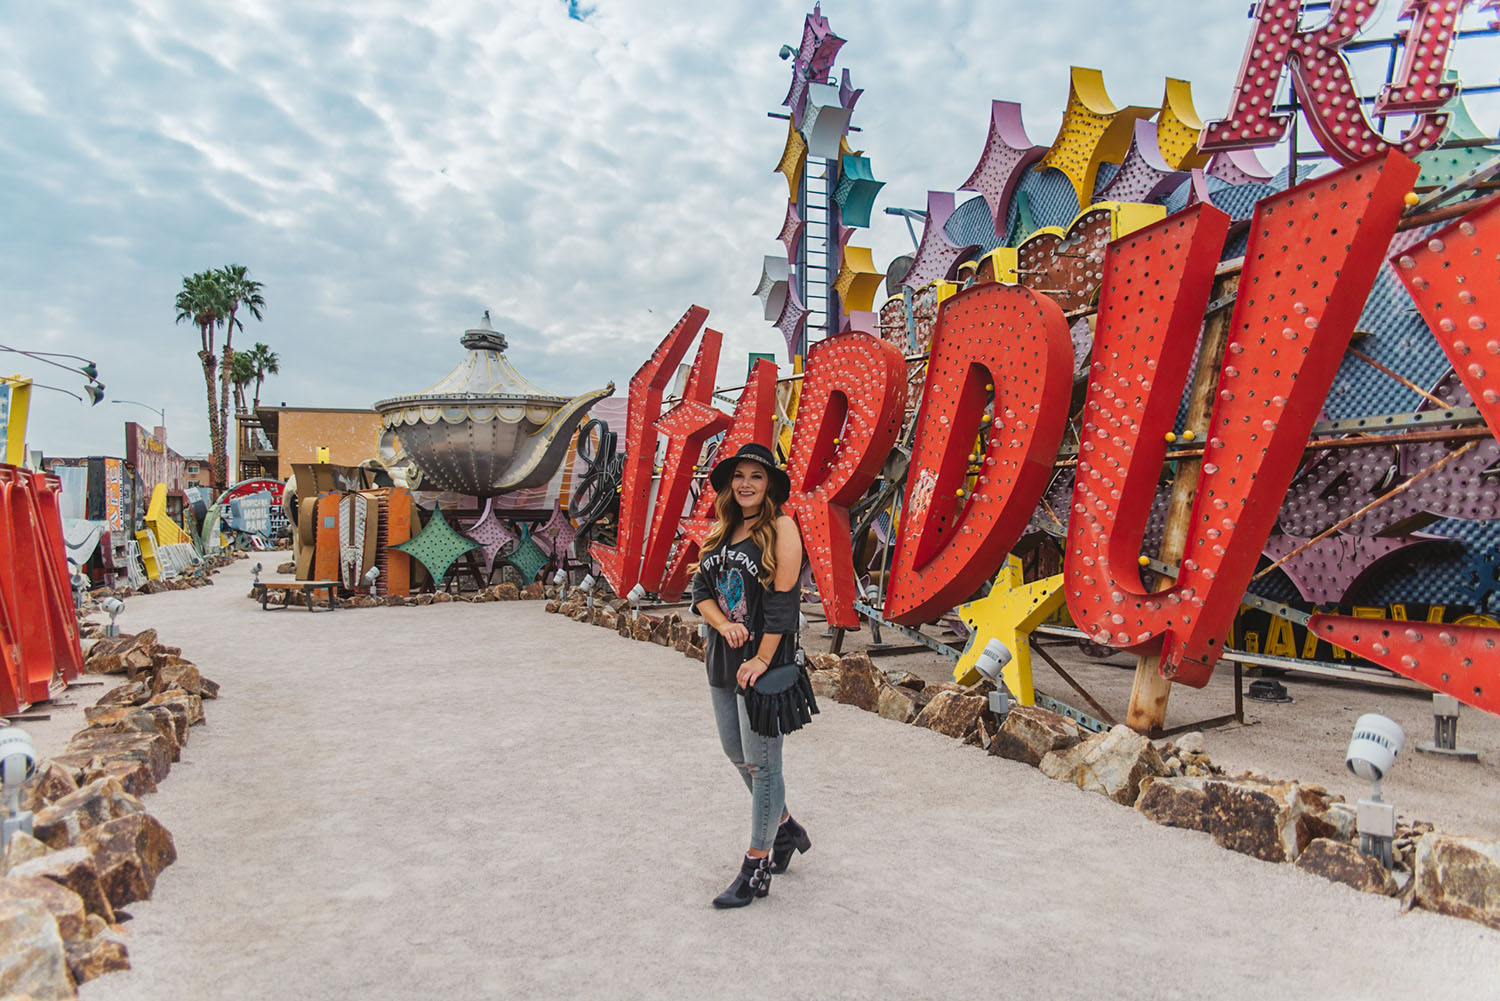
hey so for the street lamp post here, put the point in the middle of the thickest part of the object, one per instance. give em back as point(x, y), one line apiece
point(162, 411)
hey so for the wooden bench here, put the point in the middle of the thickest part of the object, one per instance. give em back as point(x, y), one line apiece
point(307, 587)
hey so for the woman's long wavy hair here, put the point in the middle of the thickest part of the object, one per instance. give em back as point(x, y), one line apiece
point(762, 530)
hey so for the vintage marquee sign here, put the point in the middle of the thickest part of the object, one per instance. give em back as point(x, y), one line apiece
point(1001, 354)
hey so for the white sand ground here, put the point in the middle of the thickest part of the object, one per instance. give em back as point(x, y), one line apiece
point(474, 801)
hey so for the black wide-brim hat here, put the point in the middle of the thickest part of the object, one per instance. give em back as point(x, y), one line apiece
point(780, 487)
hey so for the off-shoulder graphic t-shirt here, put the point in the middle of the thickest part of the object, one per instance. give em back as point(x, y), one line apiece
point(730, 575)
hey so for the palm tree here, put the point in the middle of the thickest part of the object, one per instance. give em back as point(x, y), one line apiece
point(240, 291)
point(266, 362)
point(203, 302)
point(241, 373)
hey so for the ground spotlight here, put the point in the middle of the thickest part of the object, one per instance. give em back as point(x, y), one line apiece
point(1372, 752)
point(990, 662)
point(371, 576)
point(112, 607)
point(17, 765)
point(561, 577)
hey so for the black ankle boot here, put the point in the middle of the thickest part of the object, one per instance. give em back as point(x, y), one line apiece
point(753, 881)
point(790, 837)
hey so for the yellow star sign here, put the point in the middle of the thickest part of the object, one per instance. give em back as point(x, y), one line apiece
point(1008, 613)
point(1094, 131)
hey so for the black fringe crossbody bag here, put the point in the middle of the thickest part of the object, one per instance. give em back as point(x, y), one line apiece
point(781, 700)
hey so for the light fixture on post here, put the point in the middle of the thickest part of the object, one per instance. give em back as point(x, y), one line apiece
point(1445, 730)
point(255, 573)
point(635, 597)
point(560, 579)
point(990, 662)
point(80, 586)
point(587, 587)
point(112, 607)
point(872, 598)
point(17, 765)
point(371, 576)
point(1372, 751)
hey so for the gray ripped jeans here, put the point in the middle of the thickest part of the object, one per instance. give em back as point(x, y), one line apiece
point(758, 760)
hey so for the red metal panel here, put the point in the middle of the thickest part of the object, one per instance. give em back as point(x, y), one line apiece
point(1462, 661)
point(754, 418)
point(12, 672)
point(53, 571)
point(1313, 254)
point(993, 342)
point(1454, 278)
point(621, 563)
point(688, 426)
point(28, 593)
point(853, 400)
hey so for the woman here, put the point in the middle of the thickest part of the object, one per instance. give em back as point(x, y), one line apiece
point(746, 589)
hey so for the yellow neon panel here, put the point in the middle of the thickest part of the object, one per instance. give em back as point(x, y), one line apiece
point(1178, 127)
point(1093, 131)
point(858, 279)
point(1003, 262)
point(793, 159)
point(15, 430)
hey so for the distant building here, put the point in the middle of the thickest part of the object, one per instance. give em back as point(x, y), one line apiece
point(272, 438)
point(155, 463)
point(200, 470)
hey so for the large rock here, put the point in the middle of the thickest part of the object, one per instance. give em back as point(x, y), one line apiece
point(506, 592)
point(860, 682)
point(132, 719)
point(899, 704)
point(824, 662)
point(1030, 733)
point(1344, 863)
point(191, 706)
point(1111, 763)
point(126, 653)
point(65, 905)
point(1459, 876)
point(94, 957)
point(74, 869)
point(65, 822)
point(32, 963)
point(1174, 802)
point(952, 714)
point(825, 684)
point(535, 591)
point(50, 783)
point(130, 853)
point(1264, 818)
point(152, 748)
point(23, 848)
point(135, 776)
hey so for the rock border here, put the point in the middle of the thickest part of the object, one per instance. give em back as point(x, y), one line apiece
point(95, 849)
point(1174, 784)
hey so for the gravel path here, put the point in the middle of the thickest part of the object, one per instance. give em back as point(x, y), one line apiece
point(467, 801)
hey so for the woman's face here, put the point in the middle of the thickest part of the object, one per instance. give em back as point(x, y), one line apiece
point(749, 485)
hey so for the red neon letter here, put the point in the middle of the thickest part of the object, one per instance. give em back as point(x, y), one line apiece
point(853, 400)
point(687, 426)
point(753, 419)
point(1454, 278)
point(1321, 75)
point(621, 563)
point(1314, 252)
point(1000, 339)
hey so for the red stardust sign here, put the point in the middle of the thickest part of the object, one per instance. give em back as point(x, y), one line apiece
point(999, 375)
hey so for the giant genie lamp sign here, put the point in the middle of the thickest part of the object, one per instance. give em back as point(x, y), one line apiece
point(998, 374)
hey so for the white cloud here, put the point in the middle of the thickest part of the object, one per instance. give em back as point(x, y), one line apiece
point(389, 171)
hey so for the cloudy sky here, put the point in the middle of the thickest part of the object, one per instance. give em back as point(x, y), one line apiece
point(391, 169)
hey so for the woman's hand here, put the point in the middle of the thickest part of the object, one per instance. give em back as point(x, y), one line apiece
point(750, 671)
point(736, 634)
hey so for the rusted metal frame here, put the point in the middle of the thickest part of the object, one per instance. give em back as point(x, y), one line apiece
point(1403, 380)
point(1103, 713)
point(1334, 444)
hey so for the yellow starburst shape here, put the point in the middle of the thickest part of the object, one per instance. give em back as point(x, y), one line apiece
point(793, 159)
point(1008, 613)
point(1178, 127)
point(1093, 131)
point(858, 279)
